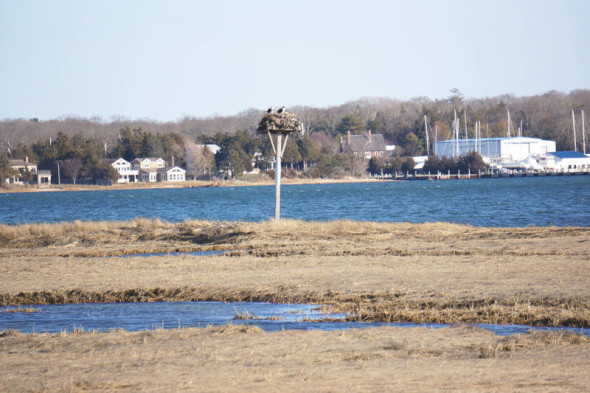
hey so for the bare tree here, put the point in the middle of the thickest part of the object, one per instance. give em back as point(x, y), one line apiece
point(198, 159)
point(71, 168)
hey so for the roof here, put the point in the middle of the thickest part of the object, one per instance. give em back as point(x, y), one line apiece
point(153, 159)
point(568, 154)
point(515, 139)
point(362, 143)
point(21, 163)
point(176, 168)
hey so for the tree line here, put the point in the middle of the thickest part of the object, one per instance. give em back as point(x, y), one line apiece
point(546, 116)
point(83, 157)
point(79, 144)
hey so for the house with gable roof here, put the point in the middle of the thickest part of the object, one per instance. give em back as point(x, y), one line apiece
point(364, 146)
point(22, 168)
point(124, 167)
point(153, 170)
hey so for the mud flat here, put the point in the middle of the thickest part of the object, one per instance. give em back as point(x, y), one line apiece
point(439, 272)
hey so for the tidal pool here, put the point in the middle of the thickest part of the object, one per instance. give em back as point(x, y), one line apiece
point(170, 315)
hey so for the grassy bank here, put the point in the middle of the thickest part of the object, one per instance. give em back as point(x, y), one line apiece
point(248, 181)
point(372, 271)
point(235, 358)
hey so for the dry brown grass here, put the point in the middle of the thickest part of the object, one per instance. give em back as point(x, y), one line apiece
point(242, 358)
point(373, 271)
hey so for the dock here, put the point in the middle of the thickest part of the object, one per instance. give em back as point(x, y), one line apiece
point(479, 175)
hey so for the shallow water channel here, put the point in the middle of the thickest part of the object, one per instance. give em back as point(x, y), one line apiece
point(170, 315)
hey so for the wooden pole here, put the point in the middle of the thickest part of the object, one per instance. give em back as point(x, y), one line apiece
point(278, 153)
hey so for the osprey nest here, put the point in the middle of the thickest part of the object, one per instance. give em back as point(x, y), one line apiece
point(283, 123)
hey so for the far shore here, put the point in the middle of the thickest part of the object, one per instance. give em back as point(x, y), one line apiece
point(185, 184)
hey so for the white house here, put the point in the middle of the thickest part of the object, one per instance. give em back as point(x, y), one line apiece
point(175, 174)
point(124, 167)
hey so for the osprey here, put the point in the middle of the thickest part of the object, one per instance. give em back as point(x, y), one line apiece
point(270, 110)
point(282, 110)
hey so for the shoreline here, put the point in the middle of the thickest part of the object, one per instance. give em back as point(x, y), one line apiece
point(186, 184)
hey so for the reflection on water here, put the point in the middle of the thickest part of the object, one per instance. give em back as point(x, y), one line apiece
point(163, 315)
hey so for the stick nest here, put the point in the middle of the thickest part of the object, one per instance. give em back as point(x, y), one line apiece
point(279, 123)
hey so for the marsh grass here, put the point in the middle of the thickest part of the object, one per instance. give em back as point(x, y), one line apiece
point(398, 272)
point(244, 358)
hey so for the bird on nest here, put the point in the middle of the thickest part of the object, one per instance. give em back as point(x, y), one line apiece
point(282, 110)
point(270, 110)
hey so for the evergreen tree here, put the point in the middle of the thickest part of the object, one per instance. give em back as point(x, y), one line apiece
point(6, 170)
point(350, 123)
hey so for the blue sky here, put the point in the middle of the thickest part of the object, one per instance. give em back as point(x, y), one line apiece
point(163, 60)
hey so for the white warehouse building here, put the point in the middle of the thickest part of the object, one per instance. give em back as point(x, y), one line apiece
point(496, 149)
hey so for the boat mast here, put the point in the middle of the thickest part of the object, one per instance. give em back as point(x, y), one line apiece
point(488, 136)
point(465, 117)
point(427, 141)
point(574, 124)
point(583, 134)
point(456, 132)
point(478, 136)
point(435, 137)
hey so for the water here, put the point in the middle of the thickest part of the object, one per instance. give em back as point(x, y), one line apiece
point(502, 202)
point(144, 316)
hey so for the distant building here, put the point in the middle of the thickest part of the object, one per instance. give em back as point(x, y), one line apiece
point(495, 149)
point(175, 174)
point(124, 167)
point(24, 166)
point(570, 161)
point(148, 163)
point(419, 162)
point(151, 170)
point(213, 148)
point(365, 146)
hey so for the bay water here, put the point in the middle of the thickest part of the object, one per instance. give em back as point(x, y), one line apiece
point(500, 202)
